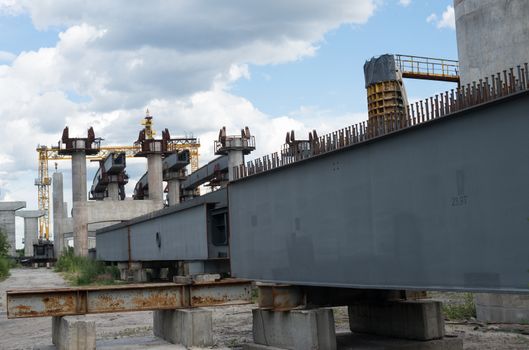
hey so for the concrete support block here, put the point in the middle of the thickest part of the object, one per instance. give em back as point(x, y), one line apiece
point(351, 341)
point(416, 319)
point(188, 327)
point(133, 271)
point(252, 346)
point(502, 308)
point(296, 329)
point(73, 333)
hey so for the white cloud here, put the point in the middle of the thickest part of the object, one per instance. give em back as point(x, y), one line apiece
point(6, 57)
point(114, 59)
point(447, 19)
point(431, 18)
point(10, 7)
point(405, 3)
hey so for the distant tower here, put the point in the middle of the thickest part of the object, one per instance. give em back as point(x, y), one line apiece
point(492, 35)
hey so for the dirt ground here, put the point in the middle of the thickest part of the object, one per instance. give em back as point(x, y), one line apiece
point(232, 326)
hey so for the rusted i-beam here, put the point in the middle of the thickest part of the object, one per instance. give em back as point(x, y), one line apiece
point(123, 298)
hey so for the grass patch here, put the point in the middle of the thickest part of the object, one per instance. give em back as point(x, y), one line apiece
point(462, 310)
point(80, 271)
point(5, 264)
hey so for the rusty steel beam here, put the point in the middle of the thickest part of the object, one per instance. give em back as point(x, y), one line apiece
point(123, 298)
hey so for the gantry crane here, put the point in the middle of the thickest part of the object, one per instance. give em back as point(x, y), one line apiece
point(45, 154)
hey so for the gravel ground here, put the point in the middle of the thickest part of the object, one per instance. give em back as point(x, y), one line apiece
point(232, 326)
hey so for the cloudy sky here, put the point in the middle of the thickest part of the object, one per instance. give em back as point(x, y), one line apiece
point(197, 65)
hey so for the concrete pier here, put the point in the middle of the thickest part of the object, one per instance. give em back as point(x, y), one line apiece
point(155, 176)
point(7, 222)
point(31, 228)
point(58, 212)
point(235, 158)
point(80, 211)
point(296, 329)
point(113, 191)
point(173, 191)
point(79, 191)
point(188, 327)
point(410, 319)
point(73, 333)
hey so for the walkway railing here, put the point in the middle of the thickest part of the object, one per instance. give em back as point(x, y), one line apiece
point(417, 67)
point(491, 88)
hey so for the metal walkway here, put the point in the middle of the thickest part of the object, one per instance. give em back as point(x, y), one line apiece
point(427, 68)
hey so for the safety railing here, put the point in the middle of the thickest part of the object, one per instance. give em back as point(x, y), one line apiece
point(427, 68)
point(491, 88)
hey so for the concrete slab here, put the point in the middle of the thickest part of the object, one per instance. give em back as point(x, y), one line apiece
point(73, 333)
point(30, 213)
point(188, 327)
point(296, 329)
point(12, 206)
point(411, 319)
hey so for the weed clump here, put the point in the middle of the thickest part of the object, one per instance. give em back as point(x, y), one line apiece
point(5, 263)
point(463, 310)
point(80, 271)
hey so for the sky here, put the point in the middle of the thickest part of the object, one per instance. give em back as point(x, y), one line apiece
point(196, 65)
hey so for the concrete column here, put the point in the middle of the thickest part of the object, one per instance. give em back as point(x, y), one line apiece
point(188, 327)
point(31, 228)
point(415, 319)
point(113, 191)
point(173, 194)
point(80, 228)
point(155, 176)
point(79, 176)
point(58, 212)
point(235, 158)
point(73, 333)
point(80, 209)
point(296, 329)
point(7, 222)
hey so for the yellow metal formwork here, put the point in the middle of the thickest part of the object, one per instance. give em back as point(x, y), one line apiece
point(385, 99)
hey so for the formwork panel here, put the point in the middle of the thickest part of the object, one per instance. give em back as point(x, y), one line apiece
point(444, 205)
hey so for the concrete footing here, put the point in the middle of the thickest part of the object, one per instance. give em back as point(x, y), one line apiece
point(188, 327)
point(296, 329)
point(416, 319)
point(502, 308)
point(351, 341)
point(73, 333)
point(133, 272)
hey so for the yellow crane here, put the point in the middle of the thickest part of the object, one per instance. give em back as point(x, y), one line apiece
point(45, 154)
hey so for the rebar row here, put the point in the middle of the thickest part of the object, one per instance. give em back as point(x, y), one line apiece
point(439, 106)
